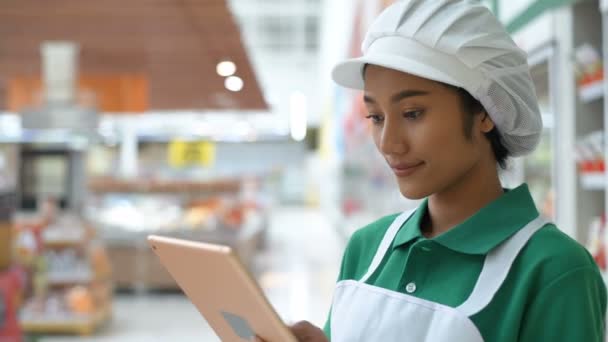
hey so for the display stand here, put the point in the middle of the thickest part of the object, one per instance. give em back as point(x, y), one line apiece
point(72, 288)
point(125, 213)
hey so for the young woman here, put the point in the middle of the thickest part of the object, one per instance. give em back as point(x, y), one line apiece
point(450, 98)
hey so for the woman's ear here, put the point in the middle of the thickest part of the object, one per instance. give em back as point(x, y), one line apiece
point(486, 124)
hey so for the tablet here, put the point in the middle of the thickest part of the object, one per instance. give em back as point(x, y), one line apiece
point(222, 290)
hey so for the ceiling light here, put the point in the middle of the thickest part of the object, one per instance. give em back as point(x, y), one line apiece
point(226, 68)
point(233, 83)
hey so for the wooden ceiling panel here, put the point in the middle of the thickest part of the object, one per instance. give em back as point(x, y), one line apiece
point(175, 43)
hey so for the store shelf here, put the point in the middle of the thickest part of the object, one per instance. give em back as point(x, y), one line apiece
point(64, 324)
point(112, 185)
point(69, 278)
point(593, 180)
point(135, 265)
point(591, 92)
point(63, 242)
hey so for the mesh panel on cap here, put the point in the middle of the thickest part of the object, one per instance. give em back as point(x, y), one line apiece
point(513, 103)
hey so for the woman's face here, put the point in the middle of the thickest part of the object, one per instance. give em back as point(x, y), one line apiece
point(417, 125)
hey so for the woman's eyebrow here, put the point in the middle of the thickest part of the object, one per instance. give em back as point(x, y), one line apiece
point(407, 93)
point(398, 96)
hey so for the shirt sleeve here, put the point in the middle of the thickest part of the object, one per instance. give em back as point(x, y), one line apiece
point(342, 275)
point(327, 328)
point(570, 308)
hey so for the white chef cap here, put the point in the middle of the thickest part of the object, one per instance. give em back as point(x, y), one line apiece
point(461, 43)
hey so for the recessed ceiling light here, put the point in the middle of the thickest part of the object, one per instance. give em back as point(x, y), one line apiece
point(226, 68)
point(233, 83)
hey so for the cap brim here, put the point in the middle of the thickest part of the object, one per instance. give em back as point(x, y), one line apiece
point(349, 73)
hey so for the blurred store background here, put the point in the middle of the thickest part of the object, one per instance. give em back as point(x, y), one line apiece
point(217, 121)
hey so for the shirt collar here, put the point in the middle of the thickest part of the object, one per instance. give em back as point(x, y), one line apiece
point(484, 230)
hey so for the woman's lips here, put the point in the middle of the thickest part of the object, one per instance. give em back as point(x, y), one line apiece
point(404, 170)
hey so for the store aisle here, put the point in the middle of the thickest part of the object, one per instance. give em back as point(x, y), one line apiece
point(297, 271)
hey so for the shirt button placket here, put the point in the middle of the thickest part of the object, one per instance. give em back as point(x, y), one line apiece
point(410, 287)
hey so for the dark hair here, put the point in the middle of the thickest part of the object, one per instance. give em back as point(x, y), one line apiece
point(471, 107)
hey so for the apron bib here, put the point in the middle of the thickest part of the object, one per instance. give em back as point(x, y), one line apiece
point(363, 312)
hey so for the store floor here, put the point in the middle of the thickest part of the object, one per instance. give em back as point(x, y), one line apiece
point(297, 271)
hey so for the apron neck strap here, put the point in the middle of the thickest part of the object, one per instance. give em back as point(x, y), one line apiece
point(386, 243)
point(496, 268)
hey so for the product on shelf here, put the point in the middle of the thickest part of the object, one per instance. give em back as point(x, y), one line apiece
point(100, 261)
point(71, 285)
point(590, 72)
point(28, 239)
point(11, 289)
point(165, 214)
point(547, 209)
point(598, 238)
point(124, 212)
point(102, 185)
point(12, 276)
point(74, 311)
point(7, 210)
point(590, 159)
point(80, 300)
point(201, 211)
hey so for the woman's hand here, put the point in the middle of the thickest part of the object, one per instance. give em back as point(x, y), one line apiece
point(305, 332)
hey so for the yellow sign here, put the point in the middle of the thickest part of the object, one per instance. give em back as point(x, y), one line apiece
point(185, 153)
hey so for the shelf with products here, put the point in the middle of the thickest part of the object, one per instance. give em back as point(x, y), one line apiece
point(593, 180)
point(223, 212)
point(62, 234)
point(582, 119)
point(590, 73)
point(591, 91)
point(35, 319)
point(69, 273)
point(122, 216)
point(590, 159)
point(70, 267)
point(597, 243)
point(103, 185)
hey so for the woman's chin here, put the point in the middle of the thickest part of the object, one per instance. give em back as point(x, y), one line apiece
point(413, 191)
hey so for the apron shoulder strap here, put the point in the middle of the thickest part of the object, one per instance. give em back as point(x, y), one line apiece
point(496, 268)
point(387, 241)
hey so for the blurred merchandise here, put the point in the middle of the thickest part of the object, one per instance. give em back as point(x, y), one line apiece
point(590, 159)
point(7, 210)
point(598, 238)
point(124, 212)
point(70, 275)
point(12, 276)
point(11, 289)
point(590, 72)
point(51, 171)
point(547, 207)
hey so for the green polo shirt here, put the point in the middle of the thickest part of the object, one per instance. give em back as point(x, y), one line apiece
point(553, 292)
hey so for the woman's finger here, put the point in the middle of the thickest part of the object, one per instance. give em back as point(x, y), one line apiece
point(307, 332)
point(302, 328)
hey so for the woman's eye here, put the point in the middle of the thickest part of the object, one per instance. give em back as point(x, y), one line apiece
point(413, 114)
point(376, 119)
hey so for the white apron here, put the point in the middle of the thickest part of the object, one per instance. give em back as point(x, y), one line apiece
point(362, 312)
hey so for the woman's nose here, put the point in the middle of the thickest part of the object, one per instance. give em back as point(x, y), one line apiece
point(393, 138)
